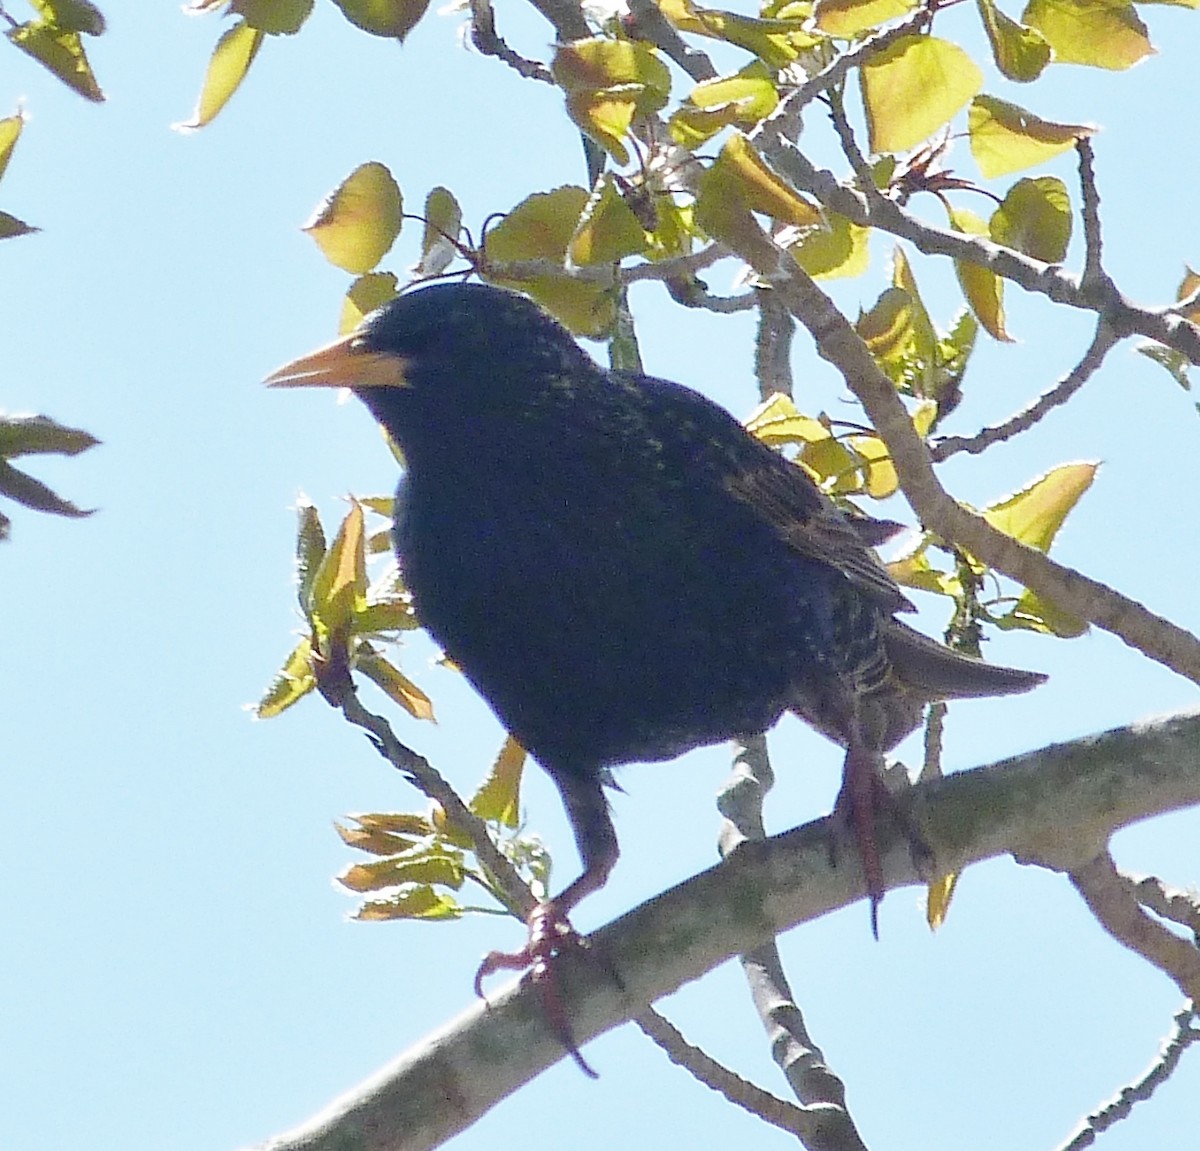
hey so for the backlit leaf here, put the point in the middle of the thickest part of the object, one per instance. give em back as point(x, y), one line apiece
point(1035, 218)
point(913, 87)
point(983, 289)
point(847, 18)
point(231, 60)
point(413, 901)
point(10, 133)
point(390, 18)
point(443, 222)
point(294, 681)
point(1102, 34)
point(340, 583)
point(1006, 138)
point(365, 295)
point(1035, 513)
point(359, 221)
point(61, 52)
point(1021, 53)
point(275, 17)
point(607, 231)
point(499, 797)
point(396, 685)
point(777, 421)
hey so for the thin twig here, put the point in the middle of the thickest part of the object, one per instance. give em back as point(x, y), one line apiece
point(1185, 1033)
point(1102, 342)
point(646, 22)
point(485, 37)
point(1112, 900)
point(1182, 907)
point(773, 346)
point(1093, 268)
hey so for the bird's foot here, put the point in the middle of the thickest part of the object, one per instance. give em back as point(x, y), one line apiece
point(863, 797)
point(550, 933)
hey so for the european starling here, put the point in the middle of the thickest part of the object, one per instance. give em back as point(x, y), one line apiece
point(622, 571)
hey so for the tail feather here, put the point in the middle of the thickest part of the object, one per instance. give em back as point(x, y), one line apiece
point(937, 672)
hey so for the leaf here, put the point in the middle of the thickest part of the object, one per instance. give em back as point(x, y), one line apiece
point(72, 15)
point(40, 435)
point(1173, 361)
point(443, 222)
point(887, 328)
point(1021, 53)
point(417, 901)
point(607, 230)
point(540, 228)
point(365, 295)
point(847, 18)
point(390, 18)
point(293, 683)
point(983, 289)
point(1035, 218)
point(937, 900)
point(310, 550)
point(751, 89)
point(231, 60)
point(11, 227)
point(1032, 613)
point(776, 42)
point(396, 685)
point(425, 862)
point(609, 84)
point(1006, 138)
point(1101, 34)
point(499, 797)
point(778, 422)
point(274, 17)
point(31, 493)
point(340, 583)
point(10, 133)
point(359, 220)
point(875, 463)
point(61, 52)
point(1189, 286)
point(1035, 513)
point(837, 248)
point(912, 88)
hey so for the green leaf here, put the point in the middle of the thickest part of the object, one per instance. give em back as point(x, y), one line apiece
point(365, 295)
point(391, 18)
point(983, 289)
point(1035, 513)
point(71, 15)
point(1020, 53)
point(294, 681)
point(778, 422)
point(426, 862)
point(776, 42)
point(274, 17)
point(1035, 218)
point(310, 550)
point(609, 84)
point(1006, 138)
point(499, 797)
point(339, 585)
point(396, 685)
point(40, 435)
point(10, 133)
point(1032, 613)
point(751, 89)
point(835, 249)
point(1099, 33)
point(61, 52)
point(11, 227)
point(231, 60)
point(607, 231)
point(540, 228)
point(847, 18)
point(24, 489)
point(415, 901)
point(1173, 361)
point(912, 88)
point(359, 220)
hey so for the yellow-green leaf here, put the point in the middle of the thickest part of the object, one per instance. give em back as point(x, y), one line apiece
point(913, 87)
point(887, 327)
point(752, 89)
point(310, 550)
point(412, 901)
point(391, 18)
point(937, 900)
point(1100, 33)
point(10, 133)
point(847, 18)
point(365, 295)
point(836, 248)
point(875, 462)
point(1006, 138)
point(61, 52)
point(983, 289)
point(607, 231)
point(1035, 218)
point(10, 226)
point(231, 60)
point(396, 685)
point(1020, 53)
point(294, 681)
point(777, 421)
point(1032, 613)
point(72, 15)
point(340, 584)
point(422, 863)
point(275, 17)
point(777, 42)
point(499, 797)
point(1189, 286)
point(360, 219)
point(1035, 513)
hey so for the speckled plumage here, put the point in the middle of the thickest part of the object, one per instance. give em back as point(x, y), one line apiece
point(622, 571)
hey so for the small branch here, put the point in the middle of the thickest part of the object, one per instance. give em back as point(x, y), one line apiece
point(646, 22)
point(1113, 901)
point(423, 775)
point(1072, 793)
point(1102, 342)
point(836, 340)
point(485, 37)
point(1093, 269)
point(1180, 907)
point(1185, 1033)
point(773, 346)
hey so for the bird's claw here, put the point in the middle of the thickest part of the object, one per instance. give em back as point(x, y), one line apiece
point(549, 934)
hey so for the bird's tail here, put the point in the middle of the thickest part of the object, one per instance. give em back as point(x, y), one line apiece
point(938, 672)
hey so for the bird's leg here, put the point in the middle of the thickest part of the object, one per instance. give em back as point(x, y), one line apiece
point(549, 928)
point(858, 801)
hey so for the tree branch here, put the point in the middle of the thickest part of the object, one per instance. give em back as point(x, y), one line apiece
point(1062, 802)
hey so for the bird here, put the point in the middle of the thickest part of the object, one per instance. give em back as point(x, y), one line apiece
point(622, 571)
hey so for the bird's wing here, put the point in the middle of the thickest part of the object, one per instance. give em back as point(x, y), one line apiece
point(781, 492)
point(811, 523)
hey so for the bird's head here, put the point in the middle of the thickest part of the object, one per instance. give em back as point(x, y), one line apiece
point(451, 346)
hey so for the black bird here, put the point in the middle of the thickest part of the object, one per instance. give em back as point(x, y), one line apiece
point(621, 570)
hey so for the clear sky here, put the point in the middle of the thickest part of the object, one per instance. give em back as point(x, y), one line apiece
point(177, 971)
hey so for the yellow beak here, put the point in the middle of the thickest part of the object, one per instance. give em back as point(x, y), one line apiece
point(342, 364)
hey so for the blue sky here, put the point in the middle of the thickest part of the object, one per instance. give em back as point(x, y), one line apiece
point(178, 971)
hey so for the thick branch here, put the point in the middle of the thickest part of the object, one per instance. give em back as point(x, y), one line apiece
point(1062, 803)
